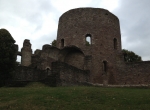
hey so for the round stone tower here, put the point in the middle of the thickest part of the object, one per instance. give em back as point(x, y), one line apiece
point(97, 33)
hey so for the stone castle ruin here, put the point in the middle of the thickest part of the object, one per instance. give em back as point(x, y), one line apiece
point(73, 62)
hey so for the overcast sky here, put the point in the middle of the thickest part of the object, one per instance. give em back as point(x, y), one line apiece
point(37, 20)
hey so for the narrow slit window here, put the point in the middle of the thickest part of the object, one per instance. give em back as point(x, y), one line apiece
point(115, 43)
point(62, 42)
point(105, 66)
point(88, 39)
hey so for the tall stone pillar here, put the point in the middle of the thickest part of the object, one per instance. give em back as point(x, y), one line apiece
point(26, 52)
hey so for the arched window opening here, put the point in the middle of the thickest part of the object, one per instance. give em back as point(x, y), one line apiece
point(88, 40)
point(62, 42)
point(47, 70)
point(115, 43)
point(105, 66)
point(19, 59)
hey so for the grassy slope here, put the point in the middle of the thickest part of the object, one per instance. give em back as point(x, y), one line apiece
point(39, 97)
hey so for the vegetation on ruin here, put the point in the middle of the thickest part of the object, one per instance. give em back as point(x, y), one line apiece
point(87, 43)
point(40, 97)
point(7, 55)
point(54, 43)
point(130, 56)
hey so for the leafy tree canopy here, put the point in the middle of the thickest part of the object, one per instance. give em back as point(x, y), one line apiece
point(7, 54)
point(130, 56)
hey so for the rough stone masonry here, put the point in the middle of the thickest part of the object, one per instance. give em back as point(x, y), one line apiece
point(74, 62)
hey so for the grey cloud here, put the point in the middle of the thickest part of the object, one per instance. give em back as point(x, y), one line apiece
point(134, 19)
point(30, 10)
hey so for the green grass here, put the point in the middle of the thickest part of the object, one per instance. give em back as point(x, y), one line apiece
point(40, 97)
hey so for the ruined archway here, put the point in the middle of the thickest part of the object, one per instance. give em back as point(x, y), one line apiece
point(72, 55)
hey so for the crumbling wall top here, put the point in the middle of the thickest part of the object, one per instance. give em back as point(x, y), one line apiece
point(26, 43)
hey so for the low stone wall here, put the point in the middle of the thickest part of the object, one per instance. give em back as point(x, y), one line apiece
point(67, 75)
point(24, 73)
point(135, 74)
point(61, 74)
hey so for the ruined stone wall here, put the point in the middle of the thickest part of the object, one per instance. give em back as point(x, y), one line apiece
point(50, 51)
point(75, 59)
point(42, 59)
point(134, 73)
point(61, 74)
point(67, 75)
point(24, 73)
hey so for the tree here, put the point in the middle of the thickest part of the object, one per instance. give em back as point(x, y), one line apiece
point(54, 43)
point(7, 55)
point(130, 56)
